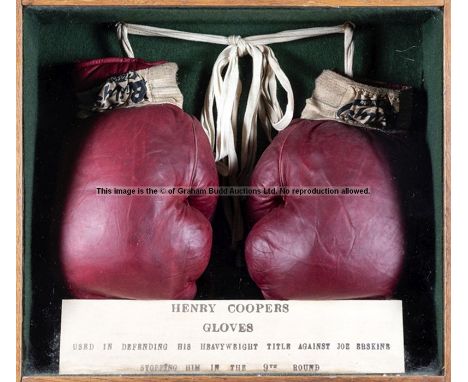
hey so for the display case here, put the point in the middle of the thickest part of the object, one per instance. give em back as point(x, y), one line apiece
point(398, 41)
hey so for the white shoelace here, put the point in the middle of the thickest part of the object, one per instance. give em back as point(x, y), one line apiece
point(224, 91)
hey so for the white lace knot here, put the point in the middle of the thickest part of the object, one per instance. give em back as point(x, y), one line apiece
point(240, 43)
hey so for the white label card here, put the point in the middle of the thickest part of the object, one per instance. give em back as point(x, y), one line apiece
point(231, 337)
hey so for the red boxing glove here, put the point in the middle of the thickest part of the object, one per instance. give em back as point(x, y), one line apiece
point(321, 245)
point(151, 246)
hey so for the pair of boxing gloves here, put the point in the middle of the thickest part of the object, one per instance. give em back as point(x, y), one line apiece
point(136, 135)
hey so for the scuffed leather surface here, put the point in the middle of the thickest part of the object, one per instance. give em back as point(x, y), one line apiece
point(325, 247)
point(90, 73)
point(138, 247)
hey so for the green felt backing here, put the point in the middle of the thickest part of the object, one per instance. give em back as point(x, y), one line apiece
point(397, 45)
point(433, 84)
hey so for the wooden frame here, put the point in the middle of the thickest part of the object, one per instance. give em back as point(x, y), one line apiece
point(239, 3)
point(445, 4)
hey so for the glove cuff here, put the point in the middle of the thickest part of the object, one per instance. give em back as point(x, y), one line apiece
point(139, 85)
point(339, 98)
